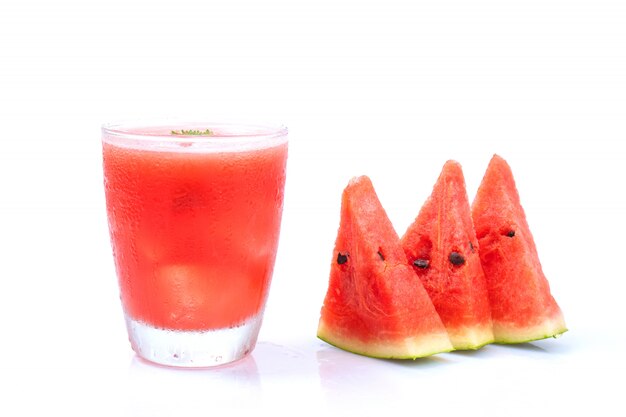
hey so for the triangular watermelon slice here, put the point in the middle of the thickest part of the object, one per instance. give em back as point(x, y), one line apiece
point(375, 305)
point(522, 306)
point(442, 248)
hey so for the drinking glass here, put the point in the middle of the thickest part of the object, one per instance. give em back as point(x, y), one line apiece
point(194, 212)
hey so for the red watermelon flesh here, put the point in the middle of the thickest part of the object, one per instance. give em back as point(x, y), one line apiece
point(522, 306)
point(375, 305)
point(442, 248)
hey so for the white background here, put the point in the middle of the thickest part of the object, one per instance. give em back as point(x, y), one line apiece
point(390, 89)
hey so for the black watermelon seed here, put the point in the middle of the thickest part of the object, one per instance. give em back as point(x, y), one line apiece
point(381, 255)
point(456, 258)
point(341, 258)
point(510, 233)
point(421, 263)
point(471, 246)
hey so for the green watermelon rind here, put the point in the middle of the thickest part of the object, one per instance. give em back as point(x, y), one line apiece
point(424, 346)
point(465, 338)
point(473, 347)
point(551, 328)
point(533, 339)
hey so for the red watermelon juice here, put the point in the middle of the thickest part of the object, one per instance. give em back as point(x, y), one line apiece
point(194, 216)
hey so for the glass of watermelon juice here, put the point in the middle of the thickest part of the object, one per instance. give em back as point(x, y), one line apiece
point(194, 212)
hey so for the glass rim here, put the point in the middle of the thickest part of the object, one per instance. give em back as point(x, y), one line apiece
point(159, 134)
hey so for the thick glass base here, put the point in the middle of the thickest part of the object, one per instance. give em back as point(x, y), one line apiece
point(193, 349)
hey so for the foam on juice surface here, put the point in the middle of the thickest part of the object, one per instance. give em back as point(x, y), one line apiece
point(222, 137)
